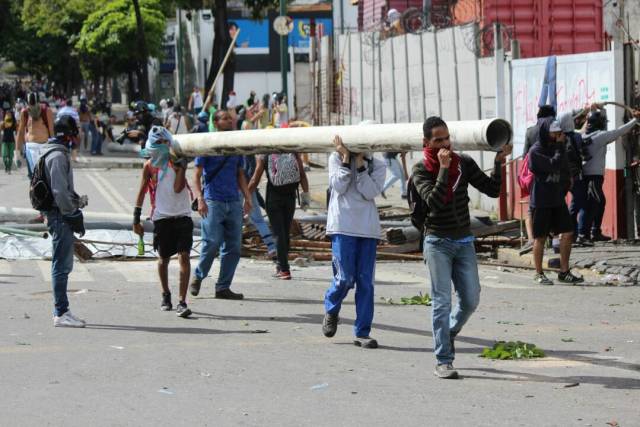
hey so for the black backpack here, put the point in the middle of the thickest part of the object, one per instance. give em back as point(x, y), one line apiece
point(40, 190)
point(417, 205)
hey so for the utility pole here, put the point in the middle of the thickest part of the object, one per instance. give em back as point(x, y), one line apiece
point(283, 49)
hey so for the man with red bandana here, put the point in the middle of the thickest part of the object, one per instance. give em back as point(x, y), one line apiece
point(442, 179)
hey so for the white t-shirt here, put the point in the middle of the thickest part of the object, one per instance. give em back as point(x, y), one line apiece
point(168, 202)
point(177, 124)
point(197, 100)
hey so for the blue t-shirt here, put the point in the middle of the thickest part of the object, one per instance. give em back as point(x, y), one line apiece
point(224, 186)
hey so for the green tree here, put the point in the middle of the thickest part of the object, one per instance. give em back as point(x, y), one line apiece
point(222, 40)
point(110, 34)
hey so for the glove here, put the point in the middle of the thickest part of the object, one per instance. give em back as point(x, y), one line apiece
point(76, 222)
point(83, 201)
point(180, 162)
point(305, 201)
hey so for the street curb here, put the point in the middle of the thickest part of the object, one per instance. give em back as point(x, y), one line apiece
point(512, 256)
point(108, 165)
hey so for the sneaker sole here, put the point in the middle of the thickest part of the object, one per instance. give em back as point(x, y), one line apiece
point(166, 308)
point(453, 376)
point(371, 344)
point(60, 325)
point(194, 291)
point(185, 313)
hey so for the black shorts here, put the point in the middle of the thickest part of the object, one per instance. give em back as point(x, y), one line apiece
point(172, 235)
point(556, 220)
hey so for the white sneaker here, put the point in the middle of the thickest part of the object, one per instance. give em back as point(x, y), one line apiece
point(68, 320)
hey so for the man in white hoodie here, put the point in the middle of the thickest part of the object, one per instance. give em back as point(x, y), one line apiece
point(353, 224)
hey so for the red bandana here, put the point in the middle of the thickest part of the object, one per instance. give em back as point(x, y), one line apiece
point(432, 164)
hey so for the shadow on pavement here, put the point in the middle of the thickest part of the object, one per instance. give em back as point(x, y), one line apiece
point(608, 382)
point(161, 330)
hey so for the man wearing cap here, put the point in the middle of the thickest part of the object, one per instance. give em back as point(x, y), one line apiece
point(549, 163)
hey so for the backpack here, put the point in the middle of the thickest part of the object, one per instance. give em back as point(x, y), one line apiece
point(525, 177)
point(283, 169)
point(40, 191)
point(417, 205)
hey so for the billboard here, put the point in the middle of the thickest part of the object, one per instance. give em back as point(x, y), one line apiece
point(299, 37)
point(253, 38)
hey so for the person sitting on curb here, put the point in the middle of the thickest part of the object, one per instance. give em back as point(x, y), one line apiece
point(171, 213)
point(441, 180)
point(549, 163)
point(353, 224)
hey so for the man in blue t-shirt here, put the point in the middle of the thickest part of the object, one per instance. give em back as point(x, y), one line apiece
point(221, 208)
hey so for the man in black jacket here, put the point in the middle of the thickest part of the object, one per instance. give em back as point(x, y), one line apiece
point(442, 179)
point(549, 163)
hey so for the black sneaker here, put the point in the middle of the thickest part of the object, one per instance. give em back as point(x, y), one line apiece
point(583, 241)
point(166, 302)
point(228, 294)
point(568, 277)
point(194, 288)
point(446, 371)
point(599, 237)
point(330, 325)
point(365, 342)
point(541, 279)
point(182, 310)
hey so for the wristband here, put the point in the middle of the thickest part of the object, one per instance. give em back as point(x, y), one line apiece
point(346, 165)
point(137, 211)
point(362, 169)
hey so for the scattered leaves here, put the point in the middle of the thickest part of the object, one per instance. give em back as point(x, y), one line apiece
point(512, 350)
point(419, 299)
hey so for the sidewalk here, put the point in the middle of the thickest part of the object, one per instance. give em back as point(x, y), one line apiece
point(608, 263)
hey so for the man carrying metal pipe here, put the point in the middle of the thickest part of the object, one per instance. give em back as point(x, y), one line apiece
point(441, 180)
point(221, 208)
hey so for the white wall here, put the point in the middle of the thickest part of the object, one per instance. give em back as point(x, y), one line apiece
point(350, 16)
point(581, 79)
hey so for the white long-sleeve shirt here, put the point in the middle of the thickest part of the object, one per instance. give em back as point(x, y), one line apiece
point(352, 208)
point(598, 147)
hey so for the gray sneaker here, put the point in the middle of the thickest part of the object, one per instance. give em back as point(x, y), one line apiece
point(541, 279)
point(194, 288)
point(365, 342)
point(330, 325)
point(446, 371)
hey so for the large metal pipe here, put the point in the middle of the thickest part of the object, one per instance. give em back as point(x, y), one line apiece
point(470, 135)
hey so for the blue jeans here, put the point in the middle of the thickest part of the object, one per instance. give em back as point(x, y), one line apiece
point(578, 205)
point(449, 262)
point(394, 166)
point(96, 139)
point(354, 264)
point(62, 259)
point(256, 218)
point(221, 232)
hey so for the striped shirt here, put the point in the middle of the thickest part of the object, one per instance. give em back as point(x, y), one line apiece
point(452, 220)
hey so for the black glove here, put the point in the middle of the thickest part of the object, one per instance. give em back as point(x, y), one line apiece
point(76, 222)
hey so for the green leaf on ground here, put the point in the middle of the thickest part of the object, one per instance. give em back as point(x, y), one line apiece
point(416, 300)
point(511, 350)
point(567, 339)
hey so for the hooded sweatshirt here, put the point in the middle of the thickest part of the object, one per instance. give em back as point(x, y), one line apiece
point(352, 208)
point(550, 166)
point(597, 147)
point(60, 176)
point(573, 145)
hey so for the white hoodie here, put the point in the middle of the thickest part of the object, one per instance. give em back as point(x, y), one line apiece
point(352, 207)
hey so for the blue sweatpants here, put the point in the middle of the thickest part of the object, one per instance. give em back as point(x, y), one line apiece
point(354, 265)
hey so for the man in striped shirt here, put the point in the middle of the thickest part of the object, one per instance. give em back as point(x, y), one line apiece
point(442, 179)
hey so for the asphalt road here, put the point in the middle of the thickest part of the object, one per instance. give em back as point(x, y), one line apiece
point(264, 361)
